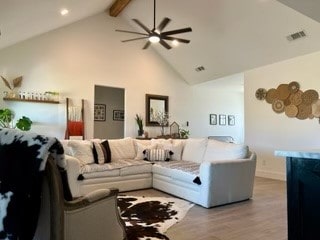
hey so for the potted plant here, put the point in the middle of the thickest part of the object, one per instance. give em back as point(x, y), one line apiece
point(52, 96)
point(184, 133)
point(139, 122)
point(6, 120)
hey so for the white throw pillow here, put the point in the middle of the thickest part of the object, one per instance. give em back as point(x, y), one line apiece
point(67, 149)
point(194, 149)
point(161, 141)
point(157, 155)
point(140, 147)
point(82, 150)
point(217, 150)
point(175, 147)
point(122, 148)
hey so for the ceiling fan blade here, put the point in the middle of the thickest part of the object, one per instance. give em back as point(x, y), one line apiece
point(148, 43)
point(142, 25)
point(166, 45)
point(125, 31)
point(174, 38)
point(163, 24)
point(182, 30)
point(133, 39)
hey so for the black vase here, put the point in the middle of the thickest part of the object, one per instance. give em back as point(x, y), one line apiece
point(140, 132)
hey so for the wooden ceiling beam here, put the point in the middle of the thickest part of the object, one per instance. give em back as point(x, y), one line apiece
point(117, 7)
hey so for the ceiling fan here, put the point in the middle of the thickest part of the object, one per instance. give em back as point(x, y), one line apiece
point(155, 35)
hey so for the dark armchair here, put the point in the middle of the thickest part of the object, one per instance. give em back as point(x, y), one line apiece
point(94, 216)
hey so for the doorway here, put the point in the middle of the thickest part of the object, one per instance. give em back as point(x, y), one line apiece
point(110, 124)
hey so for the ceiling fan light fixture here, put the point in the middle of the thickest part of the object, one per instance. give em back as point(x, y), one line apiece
point(154, 39)
point(175, 43)
point(156, 34)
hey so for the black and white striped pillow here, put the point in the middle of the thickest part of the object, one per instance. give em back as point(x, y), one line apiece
point(157, 155)
point(101, 152)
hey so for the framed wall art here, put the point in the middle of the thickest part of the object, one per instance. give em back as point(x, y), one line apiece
point(222, 119)
point(213, 119)
point(231, 120)
point(99, 112)
point(118, 115)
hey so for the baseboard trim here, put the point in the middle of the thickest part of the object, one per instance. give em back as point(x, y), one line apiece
point(272, 175)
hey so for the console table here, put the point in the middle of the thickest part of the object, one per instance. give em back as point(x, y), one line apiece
point(303, 193)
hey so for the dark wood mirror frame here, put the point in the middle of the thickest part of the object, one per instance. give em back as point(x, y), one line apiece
point(164, 100)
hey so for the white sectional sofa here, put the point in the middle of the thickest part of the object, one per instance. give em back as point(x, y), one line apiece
point(206, 172)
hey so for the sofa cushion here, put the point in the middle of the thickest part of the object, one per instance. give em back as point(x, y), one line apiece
point(217, 150)
point(157, 155)
point(122, 148)
point(160, 141)
point(82, 150)
point(67, 149)
point(101, 152)
point(181, 170)
point(141, 146)
point(194, 149)
point(137, 167)
point(115, 168)
point(175, 147)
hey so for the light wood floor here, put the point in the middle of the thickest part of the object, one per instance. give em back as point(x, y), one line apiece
point(264, 217)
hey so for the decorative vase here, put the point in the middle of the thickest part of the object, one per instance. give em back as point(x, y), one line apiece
point(12, 94)
point(140, 132)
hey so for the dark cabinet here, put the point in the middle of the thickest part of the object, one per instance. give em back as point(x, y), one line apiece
point(303, 197)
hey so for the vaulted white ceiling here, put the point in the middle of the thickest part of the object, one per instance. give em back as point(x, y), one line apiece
point(228, 37)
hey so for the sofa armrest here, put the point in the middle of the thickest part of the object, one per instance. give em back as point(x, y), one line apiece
point(73, 171)
point(227, 181)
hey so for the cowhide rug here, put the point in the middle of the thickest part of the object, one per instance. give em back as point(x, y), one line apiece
point(148, 218)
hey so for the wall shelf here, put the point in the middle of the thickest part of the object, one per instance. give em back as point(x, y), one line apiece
point(30, 100)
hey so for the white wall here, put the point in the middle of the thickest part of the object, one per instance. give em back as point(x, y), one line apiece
point(75, 58)
point(267, 131)
point(221, 96)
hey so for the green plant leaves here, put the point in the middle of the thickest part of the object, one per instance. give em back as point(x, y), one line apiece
point(24, 123)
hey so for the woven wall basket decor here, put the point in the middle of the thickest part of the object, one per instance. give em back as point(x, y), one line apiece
point(291, 100)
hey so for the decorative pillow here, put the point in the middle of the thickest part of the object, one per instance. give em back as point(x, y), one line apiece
point(161, 141)
point(194, 149)
point(82, 150)
point(101, 152)
point(122, 148)
point(217, 150)
point(157, 155)
point(141, 147)
point(175, 147)
point(67, 149)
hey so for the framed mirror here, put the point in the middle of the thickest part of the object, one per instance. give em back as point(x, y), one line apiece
point(155, 105)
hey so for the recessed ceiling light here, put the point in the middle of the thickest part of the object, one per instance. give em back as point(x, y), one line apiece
point(64, 12)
